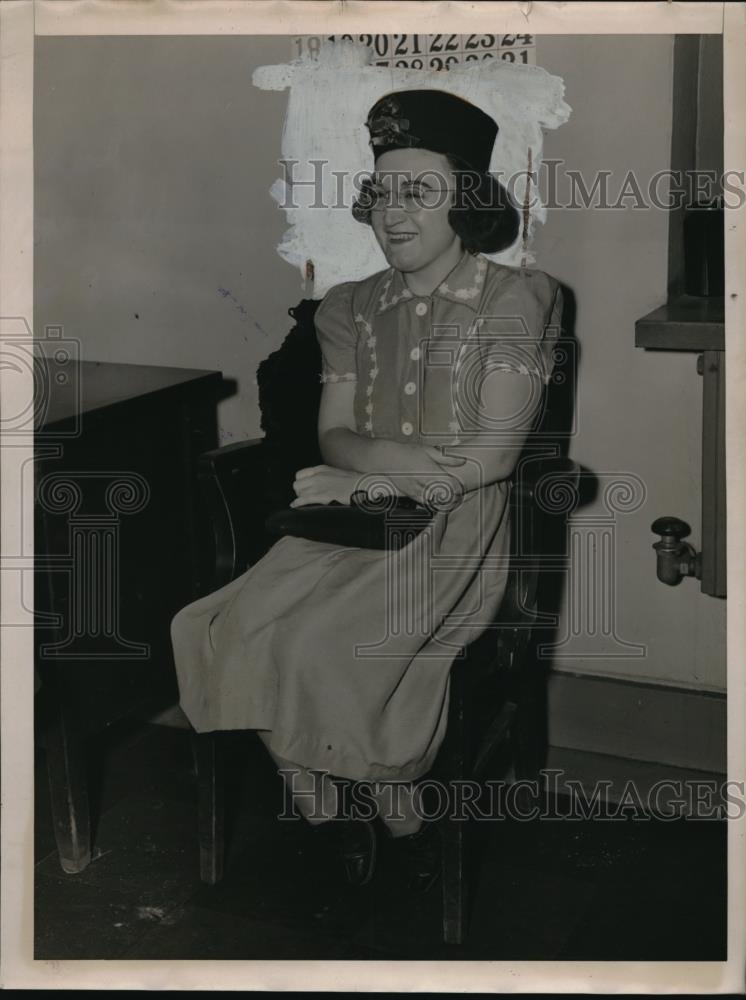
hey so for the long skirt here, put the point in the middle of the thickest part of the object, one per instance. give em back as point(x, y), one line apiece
point(342, 655)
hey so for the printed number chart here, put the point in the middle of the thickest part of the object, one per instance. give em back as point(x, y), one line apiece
point(429, 51)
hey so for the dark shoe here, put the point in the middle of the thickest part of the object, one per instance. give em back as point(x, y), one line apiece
point(423, 857)
point(354, 843)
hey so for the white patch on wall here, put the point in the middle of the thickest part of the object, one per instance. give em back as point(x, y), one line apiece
point(325, 147)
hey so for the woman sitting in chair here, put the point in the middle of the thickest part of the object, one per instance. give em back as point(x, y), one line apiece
point(433, 373)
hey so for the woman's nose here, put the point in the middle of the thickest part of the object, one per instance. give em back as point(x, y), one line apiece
point(393, 212)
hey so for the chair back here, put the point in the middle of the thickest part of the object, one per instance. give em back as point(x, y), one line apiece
point(289, 397)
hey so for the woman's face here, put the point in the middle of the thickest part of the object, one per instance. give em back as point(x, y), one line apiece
point(414, 179)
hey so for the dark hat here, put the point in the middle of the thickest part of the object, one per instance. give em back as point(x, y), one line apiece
point(434, 120)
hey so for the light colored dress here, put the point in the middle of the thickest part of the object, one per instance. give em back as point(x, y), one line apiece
point(343, 654)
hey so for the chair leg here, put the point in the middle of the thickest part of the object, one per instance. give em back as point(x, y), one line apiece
point(68, 787)
point(206, 752)
point(455, 876)
point(455, 881)
point(499, 729)
point(528, 729)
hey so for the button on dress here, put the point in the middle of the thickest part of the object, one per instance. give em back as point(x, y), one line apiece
point(342, 655)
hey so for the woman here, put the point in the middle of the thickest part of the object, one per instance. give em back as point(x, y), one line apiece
point(433, 372)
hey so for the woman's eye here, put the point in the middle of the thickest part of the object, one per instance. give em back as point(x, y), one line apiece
point(418, 195)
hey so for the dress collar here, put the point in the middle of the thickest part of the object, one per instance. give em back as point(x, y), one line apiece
point(463, 285)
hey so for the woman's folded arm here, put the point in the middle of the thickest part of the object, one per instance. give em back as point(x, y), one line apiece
point(486, 454)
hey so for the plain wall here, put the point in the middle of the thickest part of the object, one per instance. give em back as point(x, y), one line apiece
point(154, 157)
point(155, 238)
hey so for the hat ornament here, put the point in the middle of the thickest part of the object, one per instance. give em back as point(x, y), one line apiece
point(388, 128)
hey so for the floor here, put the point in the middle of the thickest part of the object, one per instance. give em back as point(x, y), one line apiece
point(547, 889)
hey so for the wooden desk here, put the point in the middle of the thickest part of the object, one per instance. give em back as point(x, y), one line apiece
point(116, 556)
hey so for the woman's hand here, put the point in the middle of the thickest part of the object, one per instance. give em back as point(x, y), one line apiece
point(326, 483)
point(323, 484)
point(434, 485)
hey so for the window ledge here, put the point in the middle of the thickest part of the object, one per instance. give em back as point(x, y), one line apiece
point(686, 323)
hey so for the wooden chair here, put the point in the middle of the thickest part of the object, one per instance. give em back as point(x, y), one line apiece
point(492, 691)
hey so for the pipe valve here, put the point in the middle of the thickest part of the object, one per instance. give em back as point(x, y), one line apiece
point(676, 558)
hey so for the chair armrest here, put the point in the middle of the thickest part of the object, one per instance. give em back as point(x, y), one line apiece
point(554, 473)
point(232, 482)
point(543, 489)
point(236, 454)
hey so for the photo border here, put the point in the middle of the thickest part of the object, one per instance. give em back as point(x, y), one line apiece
point(20, 21)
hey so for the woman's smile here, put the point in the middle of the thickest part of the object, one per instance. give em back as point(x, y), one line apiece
point(396, 237)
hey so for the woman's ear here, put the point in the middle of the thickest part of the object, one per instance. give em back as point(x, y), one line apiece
point(361, 205)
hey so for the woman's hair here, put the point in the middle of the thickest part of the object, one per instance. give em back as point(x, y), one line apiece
point(483, 215)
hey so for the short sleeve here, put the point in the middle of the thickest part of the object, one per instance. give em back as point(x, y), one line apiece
point(519, 329)
point(337, 334)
